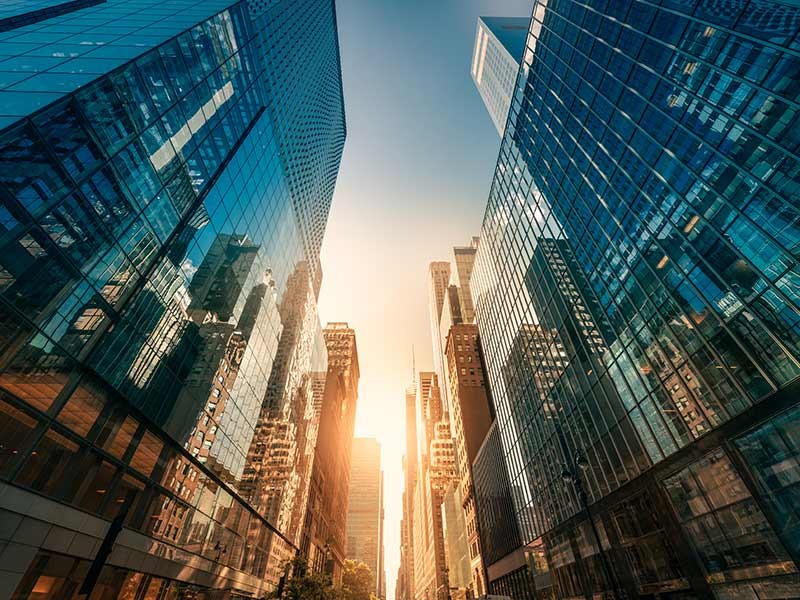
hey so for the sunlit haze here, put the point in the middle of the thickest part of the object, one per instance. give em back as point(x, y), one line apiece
point(237, 236)
point(416, 171)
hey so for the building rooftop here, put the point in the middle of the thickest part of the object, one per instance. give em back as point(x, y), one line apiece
point(512, 32)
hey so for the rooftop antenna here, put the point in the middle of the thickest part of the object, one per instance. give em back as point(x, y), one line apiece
point(413, 367)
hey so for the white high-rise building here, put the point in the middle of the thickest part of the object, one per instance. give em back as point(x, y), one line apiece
point(499, 44)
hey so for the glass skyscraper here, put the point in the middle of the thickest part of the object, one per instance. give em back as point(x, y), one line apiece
point(166, 170)
point(637, 291)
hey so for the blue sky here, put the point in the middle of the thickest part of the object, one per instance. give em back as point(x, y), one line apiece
point(415, 175)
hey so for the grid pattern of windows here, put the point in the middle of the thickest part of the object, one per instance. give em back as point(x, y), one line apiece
point(157, 310)
point(44, 60)
point(15, 13)
point(637, 281)
point(111, 221)
point(729, 531)
point(310, 121)
point(495, 63)
point(365, 508)
point(772, 452)
point(516, 584)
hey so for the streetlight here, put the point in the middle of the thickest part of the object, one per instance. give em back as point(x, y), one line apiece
point(328, 566)
point(221, 549)
point(436, 593)
point(573, 476)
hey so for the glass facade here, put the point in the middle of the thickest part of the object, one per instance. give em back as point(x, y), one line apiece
point(307, 104)
point(637, 295)
point(15, 13)
point(771, 452)
point(498, 529)
point(157, 292)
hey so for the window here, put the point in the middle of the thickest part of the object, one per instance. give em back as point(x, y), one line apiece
point(147, 453)
point(722, 519)
point(773, 453)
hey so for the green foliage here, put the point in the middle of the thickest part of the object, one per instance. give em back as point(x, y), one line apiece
point(302, 584)
point(356, 581)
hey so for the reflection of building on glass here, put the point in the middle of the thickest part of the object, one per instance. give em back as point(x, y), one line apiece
point(219, 280)
point(277, 470)
point(640, 217)
point(153, 212)
point(230, 325)
point(536, 362)
point(556, 285)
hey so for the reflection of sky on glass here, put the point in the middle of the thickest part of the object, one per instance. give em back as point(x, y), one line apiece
point(415, 176)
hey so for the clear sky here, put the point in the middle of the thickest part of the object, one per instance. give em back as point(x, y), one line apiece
point(417, 166)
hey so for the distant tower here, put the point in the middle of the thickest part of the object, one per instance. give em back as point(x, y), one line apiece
point(365, 510)
point(438, 288)
point(499, 44)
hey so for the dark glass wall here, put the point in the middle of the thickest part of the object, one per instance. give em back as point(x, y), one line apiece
point(158, 325)
point(637, 278)
point(495, 511)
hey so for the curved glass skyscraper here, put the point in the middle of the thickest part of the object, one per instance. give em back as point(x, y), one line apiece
point(637, 293)
point(166, 170)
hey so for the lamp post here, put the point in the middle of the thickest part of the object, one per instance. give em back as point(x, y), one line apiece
point(444, 585)
point(573, 476)
point(221, 549)
point(328, 566)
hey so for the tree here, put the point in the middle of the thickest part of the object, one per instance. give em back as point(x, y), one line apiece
point(302, 584)
point(357, 581)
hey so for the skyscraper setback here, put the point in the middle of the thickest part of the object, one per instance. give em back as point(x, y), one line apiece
point(165, 178)
point(640, 333)
point(435, 473)
point(440, 547)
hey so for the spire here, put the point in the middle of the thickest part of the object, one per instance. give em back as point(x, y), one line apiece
point(413, 367)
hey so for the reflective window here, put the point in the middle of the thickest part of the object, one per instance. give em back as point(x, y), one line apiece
point(722, 519)
point(635, 285)
point(772, 451)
